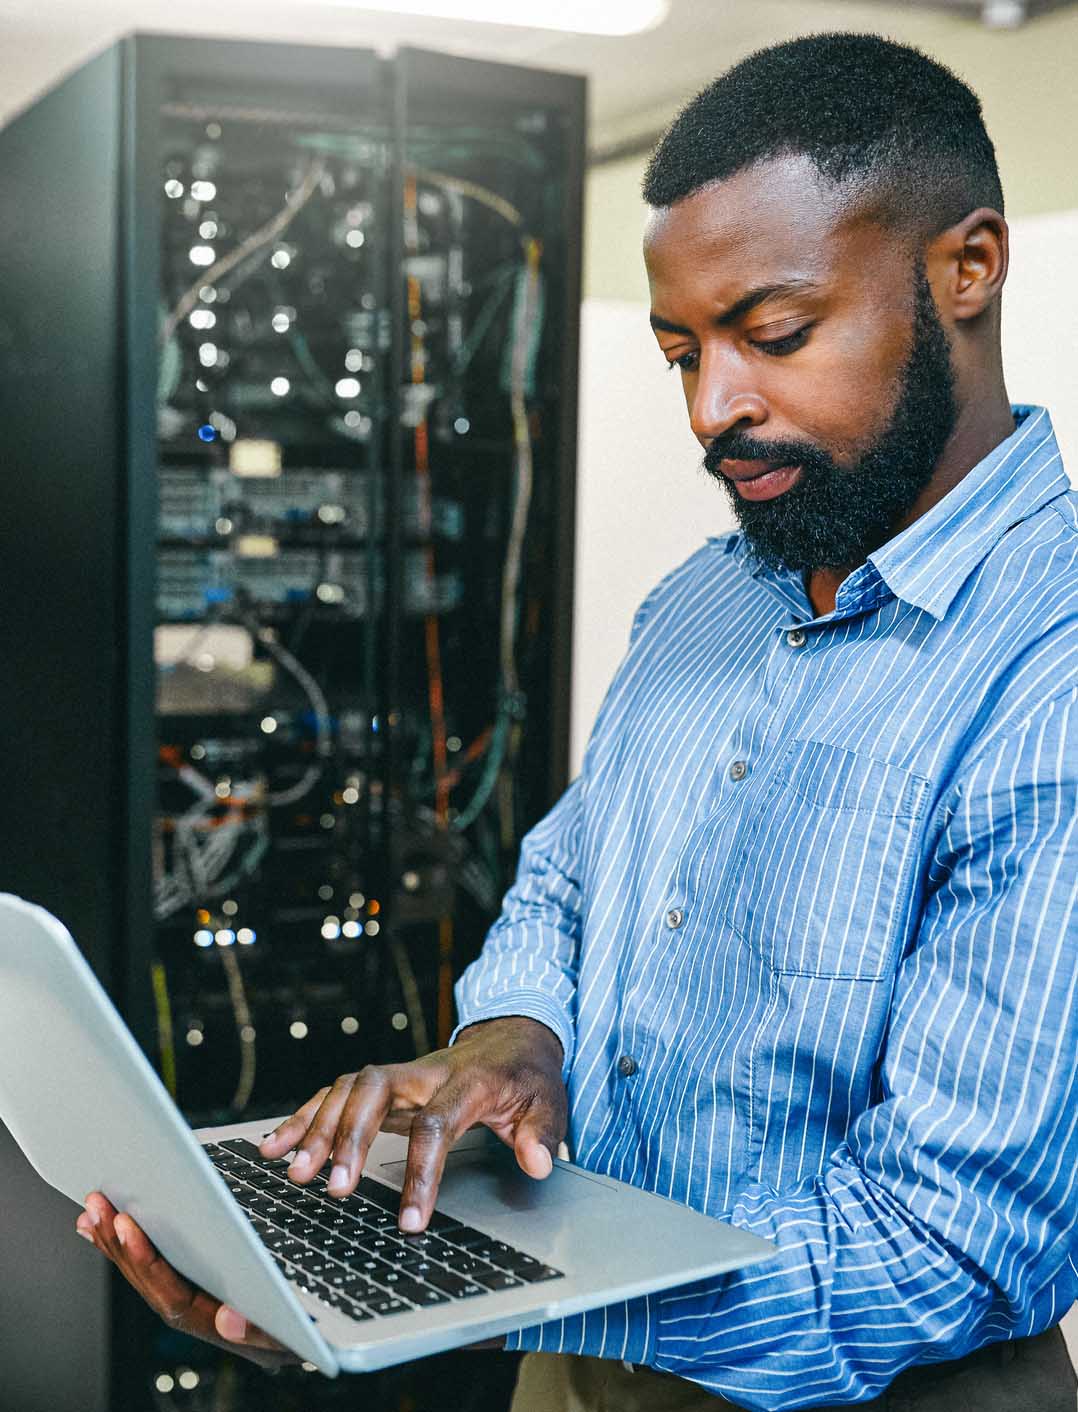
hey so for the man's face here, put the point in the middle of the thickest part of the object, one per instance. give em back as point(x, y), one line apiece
point(815, 368)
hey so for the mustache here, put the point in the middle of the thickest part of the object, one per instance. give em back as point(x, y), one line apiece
point(736, 446)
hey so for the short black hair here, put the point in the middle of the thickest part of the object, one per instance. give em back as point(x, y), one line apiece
point(867, 111)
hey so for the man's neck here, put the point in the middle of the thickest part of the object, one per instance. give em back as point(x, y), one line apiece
point(974, 436)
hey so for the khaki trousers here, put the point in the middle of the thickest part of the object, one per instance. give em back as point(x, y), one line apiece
point(1021, 1375)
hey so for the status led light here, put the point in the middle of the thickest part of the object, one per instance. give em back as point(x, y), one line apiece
point(575, 16)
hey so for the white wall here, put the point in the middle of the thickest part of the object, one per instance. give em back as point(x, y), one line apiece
point(1040, 322)
point(645, 503)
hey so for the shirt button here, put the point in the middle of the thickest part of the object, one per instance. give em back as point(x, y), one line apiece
point(738, 770)
point(627, 1066)
point(795, 638)
point(675, 917)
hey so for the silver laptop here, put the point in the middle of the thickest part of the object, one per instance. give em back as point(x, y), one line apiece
point(335, 1281)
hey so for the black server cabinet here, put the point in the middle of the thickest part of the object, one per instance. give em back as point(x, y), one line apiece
point(288, 348)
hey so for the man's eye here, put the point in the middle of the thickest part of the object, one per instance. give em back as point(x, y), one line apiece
point(777, 347)
point(687, 362)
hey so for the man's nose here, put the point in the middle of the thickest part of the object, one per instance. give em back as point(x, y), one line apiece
point(718, 405)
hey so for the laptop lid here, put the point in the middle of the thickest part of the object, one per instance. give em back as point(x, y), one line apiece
point(84, 1104)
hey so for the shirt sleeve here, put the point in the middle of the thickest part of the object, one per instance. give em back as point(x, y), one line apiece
point(528, 965)
point(946, 1220)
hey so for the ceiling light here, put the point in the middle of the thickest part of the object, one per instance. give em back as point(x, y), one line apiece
point(575, 16)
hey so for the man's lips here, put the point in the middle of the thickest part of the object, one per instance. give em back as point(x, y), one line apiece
point(748, 470)
point(760, 480)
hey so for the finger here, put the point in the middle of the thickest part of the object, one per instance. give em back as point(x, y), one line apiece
point(365, 1112)
point(101, 1213)
point(434, 1130)
point(315, 1146)
point(287, 1134)
point(159, 1284)
point(232, 1326)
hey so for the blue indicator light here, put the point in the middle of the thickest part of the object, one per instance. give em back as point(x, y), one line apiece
point(207, 433)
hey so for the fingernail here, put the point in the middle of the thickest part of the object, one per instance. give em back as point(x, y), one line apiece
point(546, 1162)
point(411, 1219)
point(119, 1234)
point(86, 1234)
point(301, 1162)
point(90, 1215)
point(338, 1177)
point(230, 1324)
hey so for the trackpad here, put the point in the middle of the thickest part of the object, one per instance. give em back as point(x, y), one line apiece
point(488, 1176)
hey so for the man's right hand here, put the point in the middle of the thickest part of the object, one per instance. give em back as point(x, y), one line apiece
point(504, 1074)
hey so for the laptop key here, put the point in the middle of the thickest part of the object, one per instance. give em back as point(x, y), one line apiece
point(260, 1201)
point(468, 1265)
point(336, 1300)
point(431, 1245)
point(517, 1262)
point(499, 1279)
point(283, 1244)
point(494, 1252)
point(468, 1236)
point(386, 1304)
point(295, 1222)
point(536, 1276)
point(260, 1180)
point(441, 1224)
point(379, 1244)
point(241, 1147)
point(455, 1285)
point(421, 1294)
point(357, 1311)
point(403, 1259)
point(386, 1197)
point(381, 1220)
point(312, 1263)
point(322, 1238)
point(352, 1284)
point(343, 1225)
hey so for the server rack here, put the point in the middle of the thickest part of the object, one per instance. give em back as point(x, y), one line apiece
point(288, 354)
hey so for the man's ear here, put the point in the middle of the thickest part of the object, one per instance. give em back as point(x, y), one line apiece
point(967, 264)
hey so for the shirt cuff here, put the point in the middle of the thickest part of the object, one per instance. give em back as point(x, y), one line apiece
point(626, 1331)
point(530, 1005)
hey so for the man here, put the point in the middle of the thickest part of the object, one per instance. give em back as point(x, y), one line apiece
point(798, 946)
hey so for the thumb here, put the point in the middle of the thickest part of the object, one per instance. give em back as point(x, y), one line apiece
point(230, 1324)
point(535, 1144)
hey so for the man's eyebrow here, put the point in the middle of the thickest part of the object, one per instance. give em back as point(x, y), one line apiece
point(749, 300)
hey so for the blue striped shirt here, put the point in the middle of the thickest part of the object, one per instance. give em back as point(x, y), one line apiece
point(818, 878)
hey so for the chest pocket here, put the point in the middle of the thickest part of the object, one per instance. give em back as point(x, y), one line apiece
point(829, 862)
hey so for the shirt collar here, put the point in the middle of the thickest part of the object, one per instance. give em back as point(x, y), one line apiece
point(928, 562)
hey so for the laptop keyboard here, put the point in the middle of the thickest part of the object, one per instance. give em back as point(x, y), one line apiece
point(350, 1253)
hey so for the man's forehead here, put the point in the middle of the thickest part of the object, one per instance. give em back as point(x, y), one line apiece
point(775, 223)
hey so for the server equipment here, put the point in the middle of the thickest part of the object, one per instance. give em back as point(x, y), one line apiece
point(288, 354)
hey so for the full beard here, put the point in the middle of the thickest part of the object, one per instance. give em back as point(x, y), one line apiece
point(835, 516)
